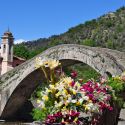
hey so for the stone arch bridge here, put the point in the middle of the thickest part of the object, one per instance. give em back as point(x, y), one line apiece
point(17, 85)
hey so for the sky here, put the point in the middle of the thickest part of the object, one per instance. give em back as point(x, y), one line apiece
point(33, 19)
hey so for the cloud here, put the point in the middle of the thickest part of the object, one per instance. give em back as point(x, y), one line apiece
point(19, 41)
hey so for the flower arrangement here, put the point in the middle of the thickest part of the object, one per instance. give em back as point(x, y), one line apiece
point(66, 101)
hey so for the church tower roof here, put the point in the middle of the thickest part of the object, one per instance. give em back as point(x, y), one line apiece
point(7, 34)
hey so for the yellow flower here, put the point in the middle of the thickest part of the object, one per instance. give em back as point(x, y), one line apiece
point(63, 109)
point(47, 63)
point(68, 80)
point(43, 107)
point(48, 90)
point(52, 86)
point(77, 103)
point(58, 94)
point(74, 92)
point(75, 120)
point(90, 101)
point(60, 104)
point(39, 62)
point(86, 107)
point(117, 78)
point(65, 91)
point(45, 97)
point(68, 95)
point(38, 101)
point(53, 64)
point(77, 84)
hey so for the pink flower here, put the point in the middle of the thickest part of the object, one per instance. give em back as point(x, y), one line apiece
point(103, 80)
point(72, 83)
point(58, 114)
point(73, 74)
point(90, 96)
point(74, 113)
point(110, 108)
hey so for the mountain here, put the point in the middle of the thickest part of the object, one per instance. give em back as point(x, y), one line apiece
point(106, 31)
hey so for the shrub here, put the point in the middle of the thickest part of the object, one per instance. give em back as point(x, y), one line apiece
point(88, 42)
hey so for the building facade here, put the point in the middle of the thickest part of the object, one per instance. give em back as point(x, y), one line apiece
point(7, 60)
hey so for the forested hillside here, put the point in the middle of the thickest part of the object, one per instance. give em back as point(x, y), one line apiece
point(106, 31)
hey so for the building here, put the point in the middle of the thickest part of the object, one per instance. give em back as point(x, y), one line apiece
point(7, 60)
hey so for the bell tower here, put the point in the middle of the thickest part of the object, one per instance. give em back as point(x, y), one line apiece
point(7, 51)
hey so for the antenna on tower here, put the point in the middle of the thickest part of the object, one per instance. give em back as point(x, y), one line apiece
point(8, 29)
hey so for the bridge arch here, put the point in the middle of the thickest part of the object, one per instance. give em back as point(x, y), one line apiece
point(14, 82)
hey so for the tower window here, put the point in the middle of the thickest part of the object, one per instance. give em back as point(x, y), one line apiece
point(10, 49)
point(4, 48)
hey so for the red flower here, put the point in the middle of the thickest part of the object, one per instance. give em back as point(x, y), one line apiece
point(72, 83)
point(91, 96)
point(110, 108)
point(74, 113)
point(73, 74)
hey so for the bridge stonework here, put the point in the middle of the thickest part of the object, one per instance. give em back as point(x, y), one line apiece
point(103, 60)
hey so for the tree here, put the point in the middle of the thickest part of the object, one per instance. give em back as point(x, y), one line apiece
point(21, 51)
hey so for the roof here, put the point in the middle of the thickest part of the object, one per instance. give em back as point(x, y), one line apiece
point(1, 58)
point(7, 34)
point(19, 58)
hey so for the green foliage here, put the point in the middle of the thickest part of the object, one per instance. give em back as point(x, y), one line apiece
point(55, 42)
point(84, 71)
point(110, 44)
point(33, 53)
point(91, 23)
point(118, 86)
point(38, 114)
point(119, 102)
point(121, 9)
point(109, 23)
point(88, 42)
point(21, 51)
point(75, 29)
point(119, 28)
